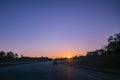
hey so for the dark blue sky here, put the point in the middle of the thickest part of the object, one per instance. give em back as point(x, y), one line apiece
point(57, 27)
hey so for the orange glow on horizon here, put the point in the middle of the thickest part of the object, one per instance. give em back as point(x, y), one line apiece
point(68, 57)
point(68, 53)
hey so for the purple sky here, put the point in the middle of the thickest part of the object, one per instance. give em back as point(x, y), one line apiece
point(57, 27)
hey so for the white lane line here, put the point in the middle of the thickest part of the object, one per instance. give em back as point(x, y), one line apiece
point(91, 76)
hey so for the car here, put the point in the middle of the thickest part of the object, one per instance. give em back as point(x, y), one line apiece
point(55, 63)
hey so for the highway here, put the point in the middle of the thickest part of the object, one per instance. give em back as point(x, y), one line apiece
point(47, 71)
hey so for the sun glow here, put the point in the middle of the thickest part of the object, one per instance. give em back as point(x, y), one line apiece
point(68, 57)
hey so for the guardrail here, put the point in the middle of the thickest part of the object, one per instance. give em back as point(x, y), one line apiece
point(3, 63)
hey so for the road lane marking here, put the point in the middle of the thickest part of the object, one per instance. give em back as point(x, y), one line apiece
point(90, 76)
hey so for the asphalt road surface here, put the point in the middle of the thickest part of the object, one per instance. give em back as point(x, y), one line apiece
point(46, 71)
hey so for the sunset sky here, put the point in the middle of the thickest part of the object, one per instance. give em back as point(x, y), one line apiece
point(57, 27)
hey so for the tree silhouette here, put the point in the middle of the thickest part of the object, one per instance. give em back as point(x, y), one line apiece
point(10, 55)
point(16, 55)
point(114, 44)
point(112, 48)
point(2, 55)
point(110, 38)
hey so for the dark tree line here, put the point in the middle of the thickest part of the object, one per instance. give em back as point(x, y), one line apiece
point(113, 47)
point(13, 57)
point(7, 55)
